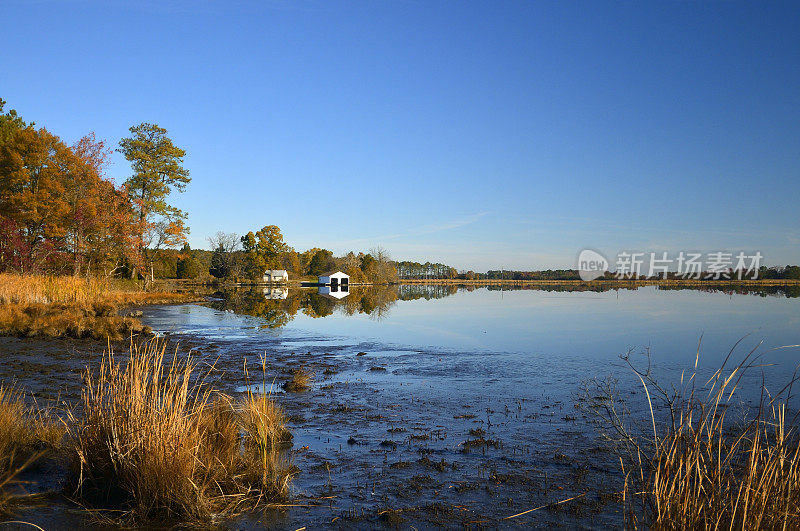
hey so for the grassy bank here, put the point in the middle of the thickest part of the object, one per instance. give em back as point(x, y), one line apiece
point(54, 306)
point(152, 441)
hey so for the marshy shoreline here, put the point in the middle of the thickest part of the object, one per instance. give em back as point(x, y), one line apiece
point(366, 455)
point(375, 440)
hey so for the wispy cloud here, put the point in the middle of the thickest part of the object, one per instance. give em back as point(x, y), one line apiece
point(454, 224)
point(418, 231)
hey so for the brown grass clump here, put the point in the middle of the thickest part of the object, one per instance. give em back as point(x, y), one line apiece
point(158, 442)
point(53, 306)
point(301, 380)
point(25, 437)
point(263, 420)
point(710, 469)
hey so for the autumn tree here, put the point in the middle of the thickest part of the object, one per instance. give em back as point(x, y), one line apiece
point(378, 266)
point(57, 212)
point(102, 227)
point(32, 196)
point(224, 260)
point(10, 122)
point(262, 250)
point(305, 259)
point(157, 165)
point(321, 262)
point(368, 262)
point(290, 261)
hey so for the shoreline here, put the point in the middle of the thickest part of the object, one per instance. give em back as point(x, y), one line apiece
point(372, 437)
point(621, 283)
point(612, 283)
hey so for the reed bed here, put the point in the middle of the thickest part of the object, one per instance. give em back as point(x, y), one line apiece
point(711, 467)
point(47, 289)
point(78, 291)
point(57, 306)
point(157, 442)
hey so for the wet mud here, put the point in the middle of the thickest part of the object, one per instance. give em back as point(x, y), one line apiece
point(382, 438)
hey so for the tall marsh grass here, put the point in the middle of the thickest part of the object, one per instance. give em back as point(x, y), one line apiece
point(76, 291)
point(47, 289)
point(158, 442)
point(56, 306)
point(710, 465)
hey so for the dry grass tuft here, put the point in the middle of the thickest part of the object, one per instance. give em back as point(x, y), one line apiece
point(301, 380)
point(265, 424)
point(158, 442)
point(709, 468)
point(26, 435)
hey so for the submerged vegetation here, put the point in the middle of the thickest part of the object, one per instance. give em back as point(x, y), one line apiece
point(300, 380)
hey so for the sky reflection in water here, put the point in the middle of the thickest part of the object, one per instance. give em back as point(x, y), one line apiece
point(582, 324)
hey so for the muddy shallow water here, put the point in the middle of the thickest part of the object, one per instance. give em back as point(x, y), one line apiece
point(437, 406)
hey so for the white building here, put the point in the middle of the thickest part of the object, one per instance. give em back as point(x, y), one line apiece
point(278, 292)
point(334, 278)
point(334, 291)
point(276, 275)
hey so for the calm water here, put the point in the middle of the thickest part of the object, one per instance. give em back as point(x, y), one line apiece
point(404, 376)
point(594, 327)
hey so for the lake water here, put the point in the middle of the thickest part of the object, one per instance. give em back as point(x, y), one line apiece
point(557, 325)
point(406, 376)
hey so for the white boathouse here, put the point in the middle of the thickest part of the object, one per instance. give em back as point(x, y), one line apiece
point(334, 278)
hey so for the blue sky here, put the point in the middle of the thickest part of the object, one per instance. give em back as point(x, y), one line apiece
point(481, 134)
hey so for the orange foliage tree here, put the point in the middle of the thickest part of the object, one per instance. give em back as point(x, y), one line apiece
point(58, 212)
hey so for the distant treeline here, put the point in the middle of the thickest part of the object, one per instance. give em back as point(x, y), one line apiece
point(789, 272)
point(417, 271)
point(549, 274)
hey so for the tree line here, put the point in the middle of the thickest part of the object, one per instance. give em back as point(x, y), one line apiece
point(60, 212)
point(246, 257)
point(789, 272)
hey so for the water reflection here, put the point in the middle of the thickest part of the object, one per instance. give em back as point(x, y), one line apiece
point(334, 291)
point(277, 306)
point(276, 293)
point(763, 291)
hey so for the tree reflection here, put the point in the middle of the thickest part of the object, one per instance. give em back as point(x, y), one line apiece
point(278, 307)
